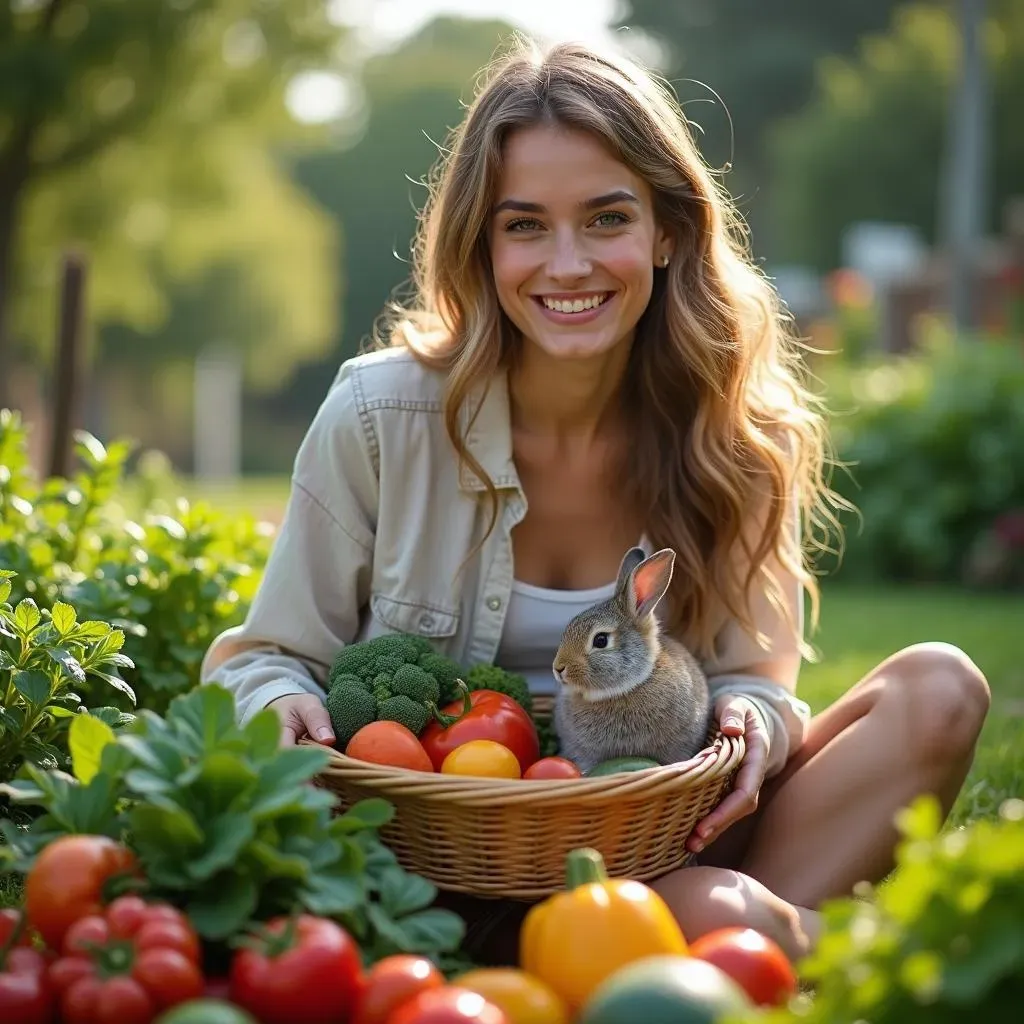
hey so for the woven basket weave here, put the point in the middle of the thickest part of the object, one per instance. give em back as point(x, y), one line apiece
point(509, 837)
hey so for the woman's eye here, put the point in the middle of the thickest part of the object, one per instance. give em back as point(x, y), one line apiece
point(523, 224)
point(601, 640)
point(611, 219)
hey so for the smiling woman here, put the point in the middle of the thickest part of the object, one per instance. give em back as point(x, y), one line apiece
point(593, 364)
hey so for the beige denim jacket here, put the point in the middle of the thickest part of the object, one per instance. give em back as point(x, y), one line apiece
point(379, 520)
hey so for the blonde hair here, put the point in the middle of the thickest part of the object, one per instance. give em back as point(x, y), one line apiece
point(713, 373)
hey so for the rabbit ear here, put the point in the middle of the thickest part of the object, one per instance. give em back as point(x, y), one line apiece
point(630, 560)
point(647, 582)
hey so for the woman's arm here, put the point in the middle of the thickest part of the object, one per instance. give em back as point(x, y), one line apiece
point(765, 668)
point(317, 579)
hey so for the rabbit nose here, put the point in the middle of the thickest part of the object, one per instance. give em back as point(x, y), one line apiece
point(559, 669)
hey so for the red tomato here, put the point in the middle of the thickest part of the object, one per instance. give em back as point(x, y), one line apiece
point(393, 981)
point(389, 743)
point(306, 969)
point(68, 881)
point(552, 768)
point(449, 1005)
point(752, 960)
point(483, 715)
point(25, 994)
point(127, 965)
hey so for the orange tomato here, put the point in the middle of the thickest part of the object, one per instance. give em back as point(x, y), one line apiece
point(389, 743)
point(523, 998)
point(482, 757)
point(552, 768)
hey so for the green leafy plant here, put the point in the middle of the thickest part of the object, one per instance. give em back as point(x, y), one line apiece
point(941, 938)
point(932, 441)
point(228, 826)
point(171, 578)
point(45, 656)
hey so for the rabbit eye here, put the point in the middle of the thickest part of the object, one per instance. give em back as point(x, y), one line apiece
point(600, 641)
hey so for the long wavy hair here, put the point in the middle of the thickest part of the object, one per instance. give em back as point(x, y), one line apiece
point(728, 445)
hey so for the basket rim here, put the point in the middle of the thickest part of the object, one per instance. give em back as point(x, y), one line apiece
point(713, 762)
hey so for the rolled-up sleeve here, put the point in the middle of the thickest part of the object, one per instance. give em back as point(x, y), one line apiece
point(317, 578)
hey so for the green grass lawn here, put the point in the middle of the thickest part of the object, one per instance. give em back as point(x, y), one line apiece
point(861, 626)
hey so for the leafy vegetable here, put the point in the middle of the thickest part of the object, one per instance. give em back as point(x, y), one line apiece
point(942, 939)
point(45, 655)
point(227, 826)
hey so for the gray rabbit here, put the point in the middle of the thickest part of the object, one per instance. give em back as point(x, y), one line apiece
point(625, 689)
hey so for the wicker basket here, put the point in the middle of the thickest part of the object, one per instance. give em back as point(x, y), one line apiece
point(509, 837)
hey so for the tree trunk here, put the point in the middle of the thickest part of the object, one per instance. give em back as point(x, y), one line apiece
point(14, 169)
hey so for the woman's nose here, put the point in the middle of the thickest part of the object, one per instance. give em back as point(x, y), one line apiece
point(569, 259)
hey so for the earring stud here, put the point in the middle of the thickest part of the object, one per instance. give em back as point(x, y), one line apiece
point(664, 261)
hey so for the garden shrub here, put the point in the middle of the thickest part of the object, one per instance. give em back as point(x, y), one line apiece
point(170, 579)
point(932, 443)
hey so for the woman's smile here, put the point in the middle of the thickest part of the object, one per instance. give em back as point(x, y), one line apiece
point(574, 309)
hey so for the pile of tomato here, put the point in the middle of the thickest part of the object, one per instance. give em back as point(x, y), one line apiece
point(77, 953)
point(495, 738)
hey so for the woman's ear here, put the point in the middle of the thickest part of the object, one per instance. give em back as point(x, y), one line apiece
point(664, 248)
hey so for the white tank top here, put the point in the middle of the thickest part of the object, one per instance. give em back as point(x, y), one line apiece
point(534, 623)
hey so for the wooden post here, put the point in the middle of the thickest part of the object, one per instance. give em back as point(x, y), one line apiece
point(68, 364)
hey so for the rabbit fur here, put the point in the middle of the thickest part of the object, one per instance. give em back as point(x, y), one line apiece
point(624, 688)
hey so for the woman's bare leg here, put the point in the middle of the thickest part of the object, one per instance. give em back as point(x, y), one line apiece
point(705, 898)
point(909, 727)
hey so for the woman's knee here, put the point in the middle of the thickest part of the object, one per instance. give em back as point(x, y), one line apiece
point(944, 698)
point(704, 899)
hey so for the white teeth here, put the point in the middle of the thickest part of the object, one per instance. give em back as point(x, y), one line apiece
point(574, 305)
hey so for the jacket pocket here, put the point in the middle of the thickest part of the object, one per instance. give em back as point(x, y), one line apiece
point(411, 617)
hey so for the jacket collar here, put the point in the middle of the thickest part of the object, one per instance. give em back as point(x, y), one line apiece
point(489, 438)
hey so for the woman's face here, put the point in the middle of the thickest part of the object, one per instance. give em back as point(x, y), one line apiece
point(573, 242)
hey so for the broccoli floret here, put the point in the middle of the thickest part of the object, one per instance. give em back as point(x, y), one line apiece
point(352, 660)
point(351, 706)
point(399, 674)
point(388, 665)
point(491, 677)
point(404, 710)
point(412, 681)
point(445, 671)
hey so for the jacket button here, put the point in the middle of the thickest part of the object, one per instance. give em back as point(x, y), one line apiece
point(426, 621)
point(494, 603)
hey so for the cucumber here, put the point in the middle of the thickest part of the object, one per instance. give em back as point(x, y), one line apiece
point(622, 764)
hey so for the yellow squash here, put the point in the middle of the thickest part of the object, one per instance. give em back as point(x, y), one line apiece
point(577, 938)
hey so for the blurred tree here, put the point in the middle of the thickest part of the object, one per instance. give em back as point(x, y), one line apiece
point(119, 120)
point(759, 59)
point(373, 187)
point(871, 145)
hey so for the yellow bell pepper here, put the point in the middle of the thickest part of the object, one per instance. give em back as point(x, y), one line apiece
point(576, 939)
point(523, 998)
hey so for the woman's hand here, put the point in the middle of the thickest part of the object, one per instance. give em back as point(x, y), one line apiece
point(302, 716)
point(738, 717)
